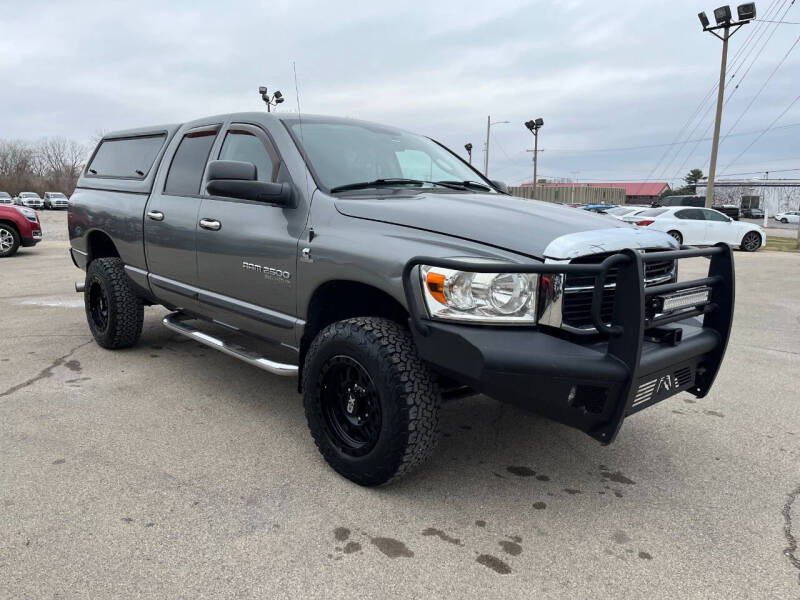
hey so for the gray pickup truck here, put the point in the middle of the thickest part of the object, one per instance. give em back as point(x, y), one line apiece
point(388, 274)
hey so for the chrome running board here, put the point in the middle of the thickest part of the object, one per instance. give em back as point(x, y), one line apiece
point(176, 324)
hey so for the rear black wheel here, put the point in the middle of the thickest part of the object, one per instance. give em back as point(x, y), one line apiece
point(372, 404)
point(114, 312)
point(751, 241)
point(677, 235)
point(9, 240)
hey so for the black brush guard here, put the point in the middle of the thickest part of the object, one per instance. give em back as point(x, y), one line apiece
point(636, 360)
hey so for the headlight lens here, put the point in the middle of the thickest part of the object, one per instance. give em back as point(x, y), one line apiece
point(453, 295)
point(28, 213)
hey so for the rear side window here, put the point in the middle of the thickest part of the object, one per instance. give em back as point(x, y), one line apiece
point(692, 214)
point(125, 157)
point(186, 171)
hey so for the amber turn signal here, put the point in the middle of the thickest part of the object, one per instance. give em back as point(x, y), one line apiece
point(435, 283)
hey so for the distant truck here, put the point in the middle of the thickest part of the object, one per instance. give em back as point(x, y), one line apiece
point(393, 274)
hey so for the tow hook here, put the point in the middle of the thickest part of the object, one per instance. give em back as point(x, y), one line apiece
point(80, 286)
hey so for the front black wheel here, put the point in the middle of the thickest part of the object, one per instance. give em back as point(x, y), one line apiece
point(677, 235)
point(114, 312)
point(750, 242)
point(372, 404)
point(9, 240)
point(784, 220)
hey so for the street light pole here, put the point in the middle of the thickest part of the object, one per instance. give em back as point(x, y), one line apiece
point(722, 15)
point(468, 148)
point(488, 133)
point(533, 126)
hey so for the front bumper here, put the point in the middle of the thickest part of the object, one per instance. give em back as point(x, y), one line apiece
point(32, 240)
point(591, 384)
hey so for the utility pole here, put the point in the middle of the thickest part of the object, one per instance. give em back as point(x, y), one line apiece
point(533, 126)
point(722, 16)
point(488, 134)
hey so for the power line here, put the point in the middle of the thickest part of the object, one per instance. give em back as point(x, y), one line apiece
point(750, 145)
point(733, 70)
point(778, 22)
point(645, 147)
point(739, 83)
point(705, 99)
point(761, 89)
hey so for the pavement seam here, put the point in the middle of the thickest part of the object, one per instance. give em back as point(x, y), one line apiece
point(791, 549)
point(46, 372)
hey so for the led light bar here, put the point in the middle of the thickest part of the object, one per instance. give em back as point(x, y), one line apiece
point(684, 299)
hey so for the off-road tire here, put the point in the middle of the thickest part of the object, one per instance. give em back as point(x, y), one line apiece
point(407, 391)
point(125, 312)
point(9, 233)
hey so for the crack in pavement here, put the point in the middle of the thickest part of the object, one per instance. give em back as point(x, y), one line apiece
point(44, 373)
point(791, 549)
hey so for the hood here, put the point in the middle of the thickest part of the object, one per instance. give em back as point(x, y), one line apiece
point(530, 227)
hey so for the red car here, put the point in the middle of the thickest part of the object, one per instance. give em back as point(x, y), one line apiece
point(19, 226)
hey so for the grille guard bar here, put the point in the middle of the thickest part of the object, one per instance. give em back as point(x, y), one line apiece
point(626, 332)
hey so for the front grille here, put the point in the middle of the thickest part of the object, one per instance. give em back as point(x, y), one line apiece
point(578, 290)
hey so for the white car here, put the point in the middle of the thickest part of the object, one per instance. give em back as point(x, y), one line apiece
point(790, 216)
point(619, 212)
point(30, 199)
point(700, 227)
point(5, 198)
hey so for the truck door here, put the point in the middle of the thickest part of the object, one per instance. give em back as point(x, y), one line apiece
point(170, 220)
point(247, 250)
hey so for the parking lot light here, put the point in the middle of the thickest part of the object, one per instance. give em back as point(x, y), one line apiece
point(533, 126)
point(722, 16)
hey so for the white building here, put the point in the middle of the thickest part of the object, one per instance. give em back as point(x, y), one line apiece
point(774, 195)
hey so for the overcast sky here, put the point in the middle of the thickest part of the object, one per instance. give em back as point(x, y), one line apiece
point(611, 74)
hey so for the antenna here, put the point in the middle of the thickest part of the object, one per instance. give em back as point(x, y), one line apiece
point(300, 121)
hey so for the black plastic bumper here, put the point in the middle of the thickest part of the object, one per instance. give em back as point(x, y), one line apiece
point(591, 385)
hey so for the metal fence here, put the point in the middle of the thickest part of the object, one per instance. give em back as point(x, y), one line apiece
point(573, 194)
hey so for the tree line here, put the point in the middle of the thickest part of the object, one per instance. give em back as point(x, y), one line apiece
point(48, 165)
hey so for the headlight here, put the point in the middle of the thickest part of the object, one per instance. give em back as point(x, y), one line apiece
point(452, 295)
point(28, 213)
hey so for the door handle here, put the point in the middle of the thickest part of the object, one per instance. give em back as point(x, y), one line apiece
point(210, 224)
point(155, 215)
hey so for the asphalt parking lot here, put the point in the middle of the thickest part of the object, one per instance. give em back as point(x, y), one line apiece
point(170, 470)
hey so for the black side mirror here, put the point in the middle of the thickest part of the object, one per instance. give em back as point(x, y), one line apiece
point(235, 179)
point(500, 186)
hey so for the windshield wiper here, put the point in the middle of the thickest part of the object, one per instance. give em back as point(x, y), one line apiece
point(477, 185)
point(392, 181)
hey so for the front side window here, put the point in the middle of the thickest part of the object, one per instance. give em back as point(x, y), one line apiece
point(342, 153)
point(186, 171)
point(246, 147)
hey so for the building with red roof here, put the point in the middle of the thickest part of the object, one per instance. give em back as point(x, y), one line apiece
point(635, 192)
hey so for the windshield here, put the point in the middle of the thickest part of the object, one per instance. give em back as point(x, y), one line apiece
point(619, 211)
point(28, 195)
point(653, 212)
point(4, 195)
point(57, 195)
point(342, 153)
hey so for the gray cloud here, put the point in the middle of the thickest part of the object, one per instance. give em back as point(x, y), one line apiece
point(611, 74)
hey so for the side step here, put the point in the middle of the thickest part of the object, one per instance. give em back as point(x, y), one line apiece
point(175, 323)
